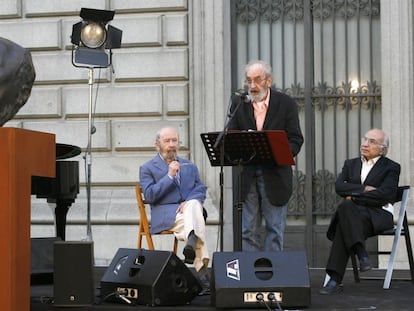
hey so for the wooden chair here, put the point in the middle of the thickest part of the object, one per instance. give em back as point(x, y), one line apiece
point(144, 225)
point(401, 229)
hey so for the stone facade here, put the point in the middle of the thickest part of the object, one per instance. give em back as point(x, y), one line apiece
point(173, 68)
point(146, 88)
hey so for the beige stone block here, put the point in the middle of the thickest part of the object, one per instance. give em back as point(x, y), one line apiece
point(119, 169)
point(59, 7)
point(176, 29)
point(115, 100)
point(39, 35)
point(10, 8)
point(153, 5)
point(151, 64)
point(143, 30)
point(57, 67)
point(176, 98)
point(67, 24)
point(136, 135)
point(44, 102)
point(74, 132)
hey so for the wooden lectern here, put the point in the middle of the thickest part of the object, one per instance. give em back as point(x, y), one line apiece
point(23, 154)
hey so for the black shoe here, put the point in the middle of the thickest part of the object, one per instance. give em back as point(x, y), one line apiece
point(364, 264)
point(331, 287)
point(189, 249)
point(189, 254)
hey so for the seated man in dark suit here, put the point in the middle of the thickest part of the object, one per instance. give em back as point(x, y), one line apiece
point(368, 185)
point(173, 188)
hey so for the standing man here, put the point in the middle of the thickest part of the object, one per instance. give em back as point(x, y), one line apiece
point(266, 189)
point(173, 188)
point(369, 186)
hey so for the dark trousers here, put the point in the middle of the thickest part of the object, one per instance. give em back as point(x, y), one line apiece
point(353, 225)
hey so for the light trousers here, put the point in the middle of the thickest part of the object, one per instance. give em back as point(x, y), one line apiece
point(192, 220)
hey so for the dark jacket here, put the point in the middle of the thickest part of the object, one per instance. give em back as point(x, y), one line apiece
point(384, 176)
point(282, 114)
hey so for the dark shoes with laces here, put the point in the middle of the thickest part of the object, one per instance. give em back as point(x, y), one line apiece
point(332, 287)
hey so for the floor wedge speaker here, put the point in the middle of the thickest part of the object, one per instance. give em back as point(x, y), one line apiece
point(253, 279)
point(73, 273)
point(146, 277)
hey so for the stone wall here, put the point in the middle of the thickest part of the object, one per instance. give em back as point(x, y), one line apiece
point(147, 87)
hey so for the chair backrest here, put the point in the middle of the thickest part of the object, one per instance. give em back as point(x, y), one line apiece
point(143, 219)
point(400, 193)
point(403, 194)
point(144, 225)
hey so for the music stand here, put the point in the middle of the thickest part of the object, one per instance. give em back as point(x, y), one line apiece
point(247, 148)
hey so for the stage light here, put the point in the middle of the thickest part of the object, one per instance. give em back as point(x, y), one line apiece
point(91, 37)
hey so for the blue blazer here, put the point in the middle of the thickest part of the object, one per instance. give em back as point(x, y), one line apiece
point(165, 194)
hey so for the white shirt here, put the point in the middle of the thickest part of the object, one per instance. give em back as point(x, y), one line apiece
point(367, 165)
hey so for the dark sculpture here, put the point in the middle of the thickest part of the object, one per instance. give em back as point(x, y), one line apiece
point(17, 75)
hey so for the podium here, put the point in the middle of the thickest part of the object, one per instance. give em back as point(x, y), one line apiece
point(23, 154)
point(239, 148)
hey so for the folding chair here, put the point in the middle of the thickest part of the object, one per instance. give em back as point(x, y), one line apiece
point(144, 226)
point(401, 229)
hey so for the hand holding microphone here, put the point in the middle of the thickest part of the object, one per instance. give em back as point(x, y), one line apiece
point(173, 168)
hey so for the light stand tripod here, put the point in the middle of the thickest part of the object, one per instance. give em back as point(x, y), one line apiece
point(91, 37)
point(91, 130)
point(88, 158)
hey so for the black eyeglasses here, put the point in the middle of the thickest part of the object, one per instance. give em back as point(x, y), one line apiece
point(257, 80)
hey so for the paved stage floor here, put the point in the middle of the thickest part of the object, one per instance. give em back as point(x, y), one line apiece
point(367, 295)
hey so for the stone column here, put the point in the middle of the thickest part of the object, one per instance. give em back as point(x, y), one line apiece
point(397, 82)
point(209, 92)
point(397, 98)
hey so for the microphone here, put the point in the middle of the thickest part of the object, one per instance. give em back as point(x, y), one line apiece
point(243, 95)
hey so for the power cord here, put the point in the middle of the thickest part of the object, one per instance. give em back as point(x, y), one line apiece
point(119, 295)
point(272, 298)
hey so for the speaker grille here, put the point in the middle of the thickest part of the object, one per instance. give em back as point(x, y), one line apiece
point(247, 279)
point(149, 278)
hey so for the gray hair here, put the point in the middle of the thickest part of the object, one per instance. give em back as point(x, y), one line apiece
point(268, 71)
point(158, 135)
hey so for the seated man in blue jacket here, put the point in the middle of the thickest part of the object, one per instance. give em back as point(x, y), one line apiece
point(173, 188)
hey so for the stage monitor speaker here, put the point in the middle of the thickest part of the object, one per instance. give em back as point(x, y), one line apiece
point(139, 276)
point(73, 273)
point(253, 279)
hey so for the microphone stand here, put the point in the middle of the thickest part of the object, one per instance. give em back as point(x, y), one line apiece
point(220, 141)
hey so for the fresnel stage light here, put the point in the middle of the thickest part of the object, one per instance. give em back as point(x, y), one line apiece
point(92, 36)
